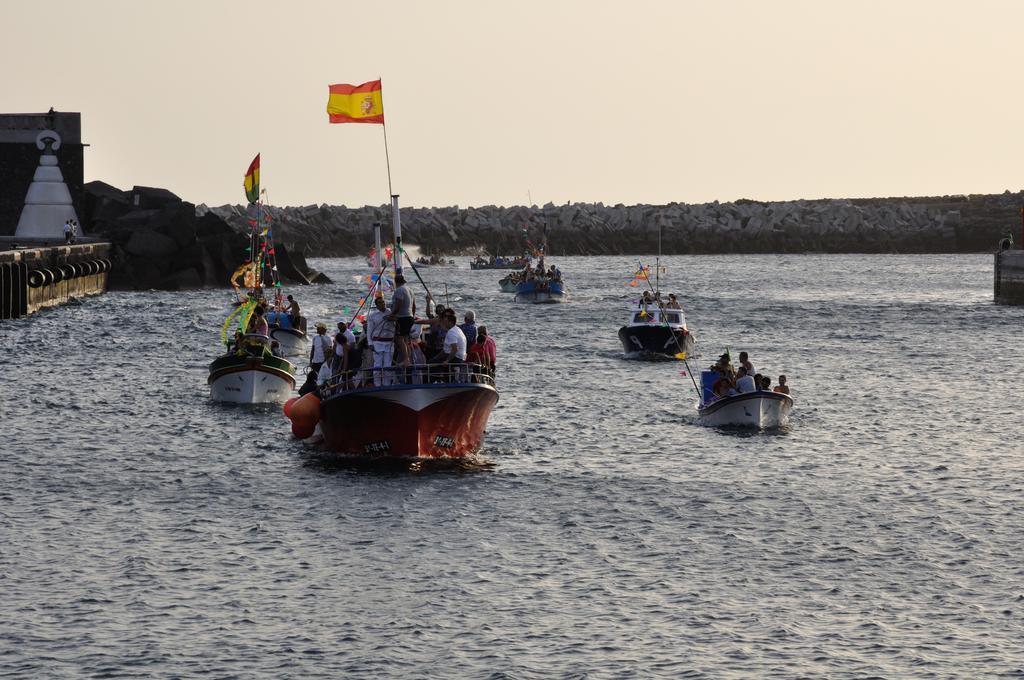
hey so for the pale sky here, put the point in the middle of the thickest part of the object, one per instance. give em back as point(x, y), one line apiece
point(558, 100)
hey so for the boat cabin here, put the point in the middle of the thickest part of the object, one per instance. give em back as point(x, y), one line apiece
point(651, 315)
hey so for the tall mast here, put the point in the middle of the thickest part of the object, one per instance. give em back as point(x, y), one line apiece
point(657, 263)
point(376, 247)
point(396, 222)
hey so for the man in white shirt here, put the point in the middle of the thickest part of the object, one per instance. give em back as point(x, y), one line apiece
point(326, 371)
point(321, 348)
point(454, 346)
point(380, 331)
point(744, 382)
point(344, 341)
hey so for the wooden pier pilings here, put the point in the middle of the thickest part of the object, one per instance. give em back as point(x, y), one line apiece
point(34, 278)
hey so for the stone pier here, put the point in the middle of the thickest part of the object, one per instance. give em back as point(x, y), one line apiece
point(37, 277)
point(1009, 277)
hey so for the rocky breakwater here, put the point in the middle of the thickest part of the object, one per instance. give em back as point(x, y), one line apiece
point(883, 225)
point(159, 241)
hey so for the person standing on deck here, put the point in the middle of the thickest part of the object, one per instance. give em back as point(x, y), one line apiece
point(402, 304)
point(745, 363)
point(380, 329)
point(468, 328)
point(490, 347)
point(295, 313)
point(344, 343)
point(321, 348)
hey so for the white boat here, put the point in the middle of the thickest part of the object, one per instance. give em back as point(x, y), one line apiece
point(252, 377)
point(758, 409)
point(293, 341)
point(449, 264)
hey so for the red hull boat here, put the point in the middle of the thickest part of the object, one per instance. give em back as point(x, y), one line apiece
point(441, 417)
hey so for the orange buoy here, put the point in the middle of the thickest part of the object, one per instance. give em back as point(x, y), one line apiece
point(287, 408)
point(302, 430)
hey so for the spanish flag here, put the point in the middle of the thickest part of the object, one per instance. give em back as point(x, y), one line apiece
point(355, 103)
point(252, 181)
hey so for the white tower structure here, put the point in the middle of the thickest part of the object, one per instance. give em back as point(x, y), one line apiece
point(48, 203)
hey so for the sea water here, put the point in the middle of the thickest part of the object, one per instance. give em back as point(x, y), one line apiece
point(148, 532)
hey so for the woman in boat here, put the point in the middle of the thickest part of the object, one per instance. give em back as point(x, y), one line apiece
point(258, 324)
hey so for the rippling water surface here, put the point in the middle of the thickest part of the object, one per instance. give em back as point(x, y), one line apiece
point(145, 531)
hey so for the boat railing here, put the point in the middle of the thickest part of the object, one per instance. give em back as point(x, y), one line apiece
point(420, 374)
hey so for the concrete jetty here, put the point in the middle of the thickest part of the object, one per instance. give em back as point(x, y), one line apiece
point(33, 278)
point(1009, 277)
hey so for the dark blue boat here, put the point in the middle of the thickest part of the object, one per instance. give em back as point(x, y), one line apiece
point(540, 291)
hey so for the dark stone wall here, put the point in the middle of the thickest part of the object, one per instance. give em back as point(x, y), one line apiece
point(19, 159)
point(940, 224)
point(158, 241)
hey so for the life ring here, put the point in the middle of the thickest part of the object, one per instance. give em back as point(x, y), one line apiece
point(36, 278)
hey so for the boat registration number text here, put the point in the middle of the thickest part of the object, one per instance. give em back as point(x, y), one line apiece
point(443, 442)
point(377, 447)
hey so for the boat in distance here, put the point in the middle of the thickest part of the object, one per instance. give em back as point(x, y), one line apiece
point(540, 292)
point(656, 333)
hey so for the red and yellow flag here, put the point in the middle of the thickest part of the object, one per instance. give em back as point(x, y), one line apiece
point(252, 180)
point(356, 103)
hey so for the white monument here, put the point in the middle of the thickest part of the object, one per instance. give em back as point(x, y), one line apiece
point(48, 204)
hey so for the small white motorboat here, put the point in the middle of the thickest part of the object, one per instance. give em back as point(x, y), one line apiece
point(293, 341)
point(758, 409)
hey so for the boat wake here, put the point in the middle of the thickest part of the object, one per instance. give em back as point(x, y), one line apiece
point(327, 462)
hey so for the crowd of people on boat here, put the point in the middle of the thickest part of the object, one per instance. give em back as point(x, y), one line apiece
point(434, 260)
point(541, 275)
point(653, 299)
point(499, 261)
point(393, 345)
point(743, 378)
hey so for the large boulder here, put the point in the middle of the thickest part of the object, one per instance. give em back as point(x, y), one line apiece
point(149, 243)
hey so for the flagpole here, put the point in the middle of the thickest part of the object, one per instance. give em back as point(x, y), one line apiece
point(384, 125)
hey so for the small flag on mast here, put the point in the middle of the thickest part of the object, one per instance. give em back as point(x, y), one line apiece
point(252, 180)
point(355, 103)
